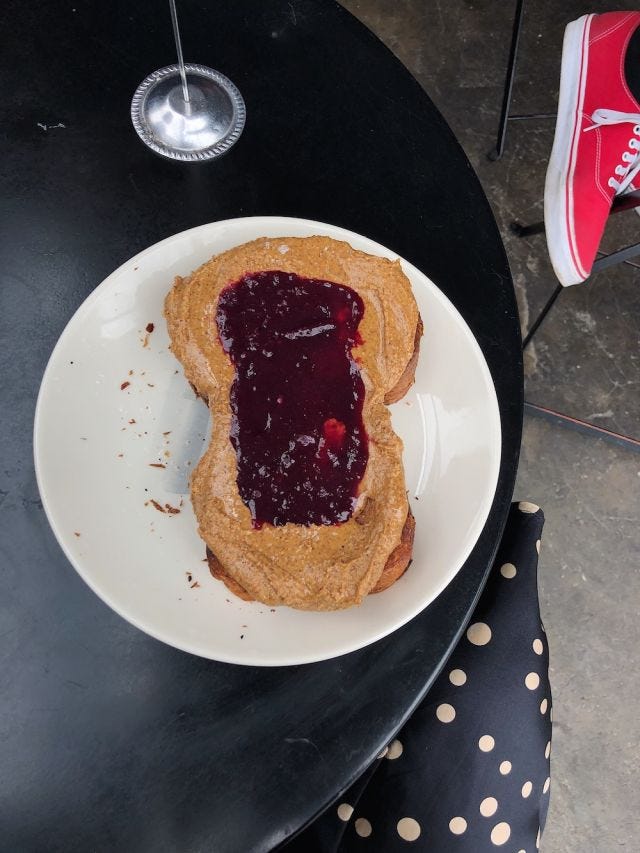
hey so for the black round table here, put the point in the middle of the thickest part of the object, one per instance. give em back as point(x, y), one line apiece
point(110, 740)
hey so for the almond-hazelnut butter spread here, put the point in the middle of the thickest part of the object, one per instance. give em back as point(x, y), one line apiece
point(346, 529)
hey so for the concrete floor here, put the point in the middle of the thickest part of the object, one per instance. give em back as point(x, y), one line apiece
point(585, 361)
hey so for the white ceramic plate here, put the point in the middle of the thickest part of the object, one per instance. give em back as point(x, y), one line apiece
point(94, 443)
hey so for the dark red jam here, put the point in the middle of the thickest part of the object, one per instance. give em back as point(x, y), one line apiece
point(297, 396)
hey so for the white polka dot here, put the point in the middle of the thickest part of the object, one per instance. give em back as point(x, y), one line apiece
point(486, 743)
point(532, 681)
point(538, 544)
point(547, 750)
point(543, 706)
point(508, 571)
point(458, 825)
point(457, 677)
point(551, 713)
point(384, 752)
point(526, 506)
point(363, 827)
point(522, 851)
point(488, 807)
point(446, 713)
point(537, 646)
point(408, 829)
point(500, 834)
point(479, 634)
point(345, 811)
point(395, 750)
point(505, 768)
point(527, 788)
point(538, 839)
point(545, 787)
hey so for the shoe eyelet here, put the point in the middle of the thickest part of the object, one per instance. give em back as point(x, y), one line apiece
point(636, 130)
point(612, 183)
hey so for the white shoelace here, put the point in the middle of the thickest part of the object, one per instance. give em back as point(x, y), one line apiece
point(626, 173)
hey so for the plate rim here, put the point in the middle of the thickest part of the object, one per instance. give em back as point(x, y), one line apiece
point(339, 233)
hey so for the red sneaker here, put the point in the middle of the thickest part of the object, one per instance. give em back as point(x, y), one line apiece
point(596, 148)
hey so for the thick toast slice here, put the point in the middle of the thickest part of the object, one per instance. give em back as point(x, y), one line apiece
point(317, 567)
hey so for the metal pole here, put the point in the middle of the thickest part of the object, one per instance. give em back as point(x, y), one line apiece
point(616, 258)
point(496, 153)
point(176, 34)
point(583, 426)
point(541, 316)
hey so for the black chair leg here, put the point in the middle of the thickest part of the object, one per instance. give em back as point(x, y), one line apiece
point(616, 258)
point(496, 153)
point(601, 264)
point(538, 321)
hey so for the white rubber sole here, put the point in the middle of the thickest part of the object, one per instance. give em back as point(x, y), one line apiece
point(558, 188)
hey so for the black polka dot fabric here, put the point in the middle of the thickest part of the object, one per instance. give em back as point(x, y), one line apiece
point(470, 771)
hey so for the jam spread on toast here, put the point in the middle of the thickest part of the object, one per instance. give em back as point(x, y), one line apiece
point(297, 396)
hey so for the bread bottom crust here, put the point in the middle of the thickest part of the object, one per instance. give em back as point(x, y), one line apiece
point(396, 565)
point(409, 374)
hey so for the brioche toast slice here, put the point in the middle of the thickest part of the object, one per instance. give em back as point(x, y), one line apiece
point(316, 566)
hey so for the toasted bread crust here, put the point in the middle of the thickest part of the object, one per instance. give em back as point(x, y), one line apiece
point(395, 567)
point(409, 375)
point(399, 558)
point(215, 567)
